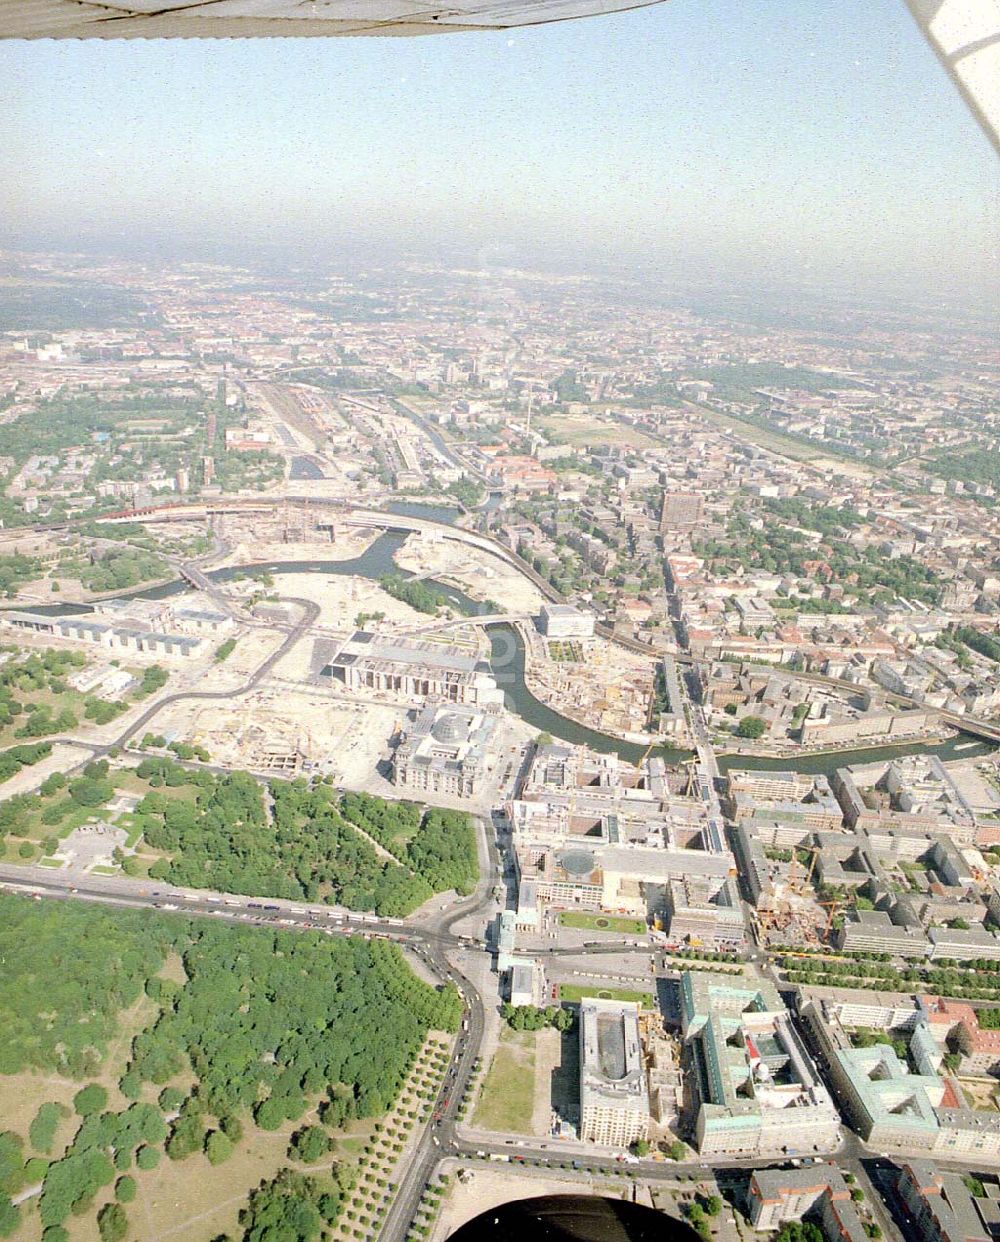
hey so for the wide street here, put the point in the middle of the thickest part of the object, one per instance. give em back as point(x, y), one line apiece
point(438, 946)
point(432, 937)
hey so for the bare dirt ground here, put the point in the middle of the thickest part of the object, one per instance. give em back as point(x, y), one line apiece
point(347, 546)
point(344, 738)
point(342, 599)
point(548, 1055)
point(61, 760)
point(475, 572)
point(609, 688)
point(251, 650)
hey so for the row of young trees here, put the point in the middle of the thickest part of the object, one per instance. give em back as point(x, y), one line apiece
point(531, 1018)
point(265, 1023)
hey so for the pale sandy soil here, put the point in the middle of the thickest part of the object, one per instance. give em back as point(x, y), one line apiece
point(548, 1057)
point(348, 545)
point(608, 690)
point(253, 646)
point(475, 572)
point(342, 599)
point(344, 738)
point(183, 675)
point(61, 760)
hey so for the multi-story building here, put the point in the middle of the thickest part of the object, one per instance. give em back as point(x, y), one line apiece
point(614, 1098)
point(627, 879)
point(873, 931)
point(914, 791)
point(672, 720)
point(940, 1205)
point(113, 637)
point(899, 1108)
point(704, 912)
point(776, 1196)
point(565, 621)
point(753, 865)
point(956, 1023)
point(446, 751)
point(887, 1105)
point(681, 511)
point(965, 944)
point(415, 668)
point(802, 801)
point(760, 1094)
point(824, 1015)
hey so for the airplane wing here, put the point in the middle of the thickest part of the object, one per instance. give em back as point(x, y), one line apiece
point(966, 36)
point(168, 19)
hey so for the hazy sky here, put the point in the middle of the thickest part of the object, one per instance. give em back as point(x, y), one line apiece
point(719, 136)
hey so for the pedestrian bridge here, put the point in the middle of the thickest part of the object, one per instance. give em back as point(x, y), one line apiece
point(484, 619)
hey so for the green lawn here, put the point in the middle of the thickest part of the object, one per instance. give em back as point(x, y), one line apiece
point(508, 1093)
point(35, 830)
point(565, 652)
point(775, 440)
point(578, 992)
point(71, 699)
point(602, 923)
point(587, 430)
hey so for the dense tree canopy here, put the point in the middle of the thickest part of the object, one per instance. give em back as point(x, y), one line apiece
point(274, 1017)
point(306, 846)
point(18, 757)
point(439, 845)
point(418, 595)
point(60, 963)
point(531, 1018)
point(290, 1208)
point(265, 1023)
point(225, 841)
point(780, 546)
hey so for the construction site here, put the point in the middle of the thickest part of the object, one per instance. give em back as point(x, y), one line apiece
point(796, 918)
point(476, 572)
point(596, 682)
point(288, 532)
point(284, 731)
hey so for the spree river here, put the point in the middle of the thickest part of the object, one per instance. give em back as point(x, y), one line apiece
point(507, 661)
